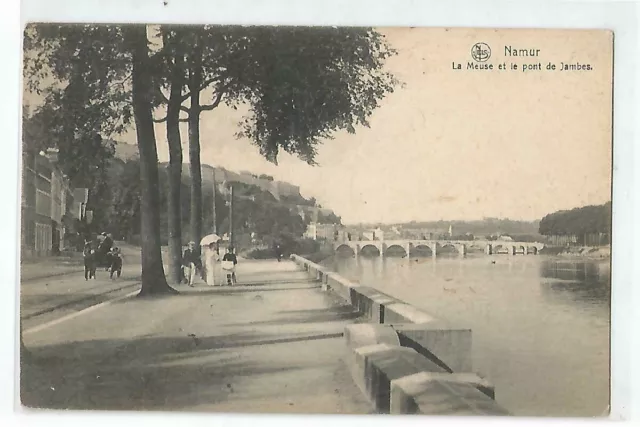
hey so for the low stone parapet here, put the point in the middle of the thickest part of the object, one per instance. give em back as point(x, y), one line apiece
point(433, 393)
point(399, 380)
point(401, 312)
point(437, 339)
point(405, 360)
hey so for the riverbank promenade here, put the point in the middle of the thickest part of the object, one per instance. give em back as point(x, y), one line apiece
point(272, 344)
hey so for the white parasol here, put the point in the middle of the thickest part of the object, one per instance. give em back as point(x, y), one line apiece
point(207, 240)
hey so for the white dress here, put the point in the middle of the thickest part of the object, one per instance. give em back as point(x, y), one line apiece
point(211, 262)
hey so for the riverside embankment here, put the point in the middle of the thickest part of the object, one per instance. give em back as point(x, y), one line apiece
point(540, 323)
point(404, 360)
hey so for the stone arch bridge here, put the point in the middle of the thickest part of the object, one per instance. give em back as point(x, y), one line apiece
point(412, 247)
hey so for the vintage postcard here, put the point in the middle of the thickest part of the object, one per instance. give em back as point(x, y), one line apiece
point(318, 220)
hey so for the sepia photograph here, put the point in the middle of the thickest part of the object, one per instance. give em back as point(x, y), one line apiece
point(316, 220)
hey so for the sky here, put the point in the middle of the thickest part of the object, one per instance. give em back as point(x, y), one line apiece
point(456, 144)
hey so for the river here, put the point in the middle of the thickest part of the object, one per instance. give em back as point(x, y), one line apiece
point(540, 324)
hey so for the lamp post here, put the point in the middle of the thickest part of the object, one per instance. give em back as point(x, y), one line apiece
point(231, 215)
point(215, 227)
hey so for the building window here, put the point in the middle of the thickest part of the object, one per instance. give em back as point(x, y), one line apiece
point(43, 238)
point(43, 203)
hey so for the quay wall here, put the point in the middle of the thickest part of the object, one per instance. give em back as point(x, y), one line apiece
point(404, 360)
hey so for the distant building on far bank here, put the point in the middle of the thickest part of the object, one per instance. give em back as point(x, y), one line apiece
point(318, 231)
point(377, 234)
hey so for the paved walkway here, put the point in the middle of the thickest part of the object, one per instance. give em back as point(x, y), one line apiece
point(53, 266)
point(271, 344)
point(50, 267)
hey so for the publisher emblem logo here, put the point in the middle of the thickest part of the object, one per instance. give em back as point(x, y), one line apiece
point(480, 52)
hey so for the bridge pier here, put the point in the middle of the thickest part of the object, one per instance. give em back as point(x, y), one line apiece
point(462, 249)
point(488, 250)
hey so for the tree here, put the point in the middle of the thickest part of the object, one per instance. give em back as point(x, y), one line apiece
point(578, 222)
point(102, 79)
point(301, 85)
point(330, 218)
point(173, 57)
point(152, 269)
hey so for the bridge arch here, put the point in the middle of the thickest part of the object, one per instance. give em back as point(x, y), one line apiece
point(345, 249)
point(476, 247)
point(449, 248)
point(422, 249)
point(395, 248)
point(500, 248)
point(370, 249)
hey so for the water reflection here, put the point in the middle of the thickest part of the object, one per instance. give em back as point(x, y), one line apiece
point(580, 281)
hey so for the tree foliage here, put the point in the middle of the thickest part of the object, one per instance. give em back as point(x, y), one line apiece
point(578, 221)
point(330, 218)
point(305, 83)
point(301, 85)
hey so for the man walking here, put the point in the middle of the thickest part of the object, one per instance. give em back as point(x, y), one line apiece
point(189, 261)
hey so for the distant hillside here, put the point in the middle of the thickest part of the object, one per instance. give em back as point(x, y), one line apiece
point(283, 191)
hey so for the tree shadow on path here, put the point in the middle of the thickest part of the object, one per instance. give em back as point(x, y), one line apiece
point(152, 373)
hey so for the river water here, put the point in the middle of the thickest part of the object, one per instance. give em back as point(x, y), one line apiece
point(540, 324)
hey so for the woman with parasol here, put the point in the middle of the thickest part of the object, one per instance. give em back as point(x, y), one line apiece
point(210, 257)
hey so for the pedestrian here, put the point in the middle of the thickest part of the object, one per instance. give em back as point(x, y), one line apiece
point(278, 251)
point(229, 262)
point(105, 242)
point(210, 260)
point(189, 262)
point(116, 263)
point(89, 256)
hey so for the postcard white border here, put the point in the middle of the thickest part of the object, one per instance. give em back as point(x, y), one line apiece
point(621, 17)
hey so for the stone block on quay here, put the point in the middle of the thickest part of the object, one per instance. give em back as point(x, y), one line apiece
point(371, 302)
point(450, 344)
point(356, 361)
point(340, 286)
point(383, 367)
point(367, 334)
point(405, 313)
point(430, 393)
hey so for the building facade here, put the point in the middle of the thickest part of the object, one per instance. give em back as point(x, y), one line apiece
point(47, 201)
point(317, 231)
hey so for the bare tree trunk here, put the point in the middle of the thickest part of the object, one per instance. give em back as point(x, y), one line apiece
point(195, 81)
point(196, 177)
point(153, 277)
point(174, 168)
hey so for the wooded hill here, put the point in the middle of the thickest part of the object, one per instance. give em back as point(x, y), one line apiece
point(578, 221)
